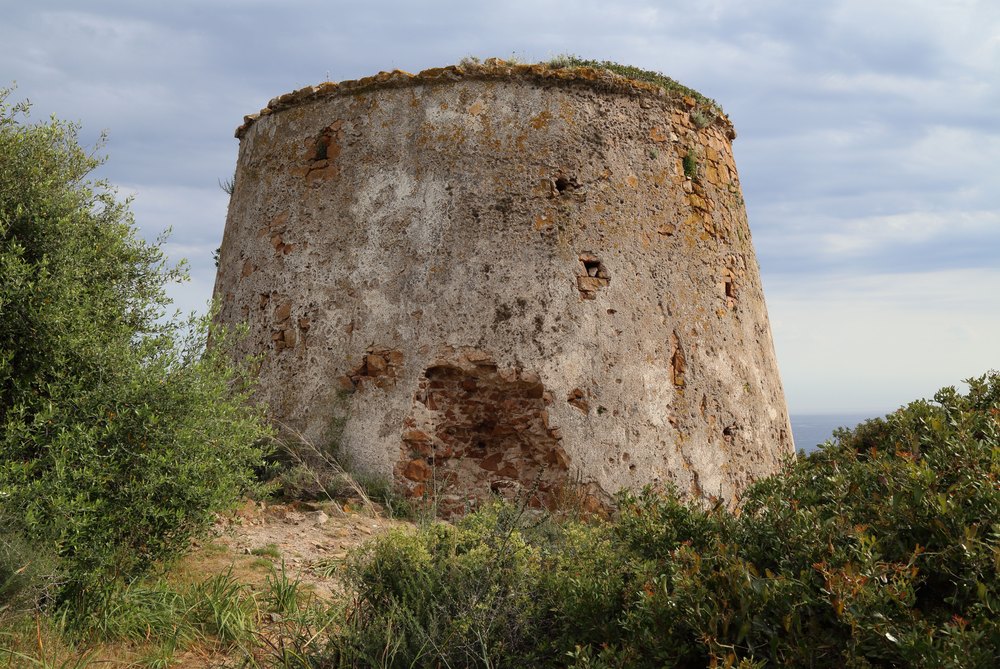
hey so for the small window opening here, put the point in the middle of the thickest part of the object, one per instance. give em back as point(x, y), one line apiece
point(322, 144)
point(593, 266)
point(593, 277)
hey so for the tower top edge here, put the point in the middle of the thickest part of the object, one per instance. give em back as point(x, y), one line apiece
point(593, 75)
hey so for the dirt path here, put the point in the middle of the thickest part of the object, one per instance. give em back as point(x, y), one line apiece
point(306, 536)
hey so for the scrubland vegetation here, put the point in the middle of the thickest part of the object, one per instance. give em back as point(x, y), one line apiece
point(879, 550)
point(123, 435)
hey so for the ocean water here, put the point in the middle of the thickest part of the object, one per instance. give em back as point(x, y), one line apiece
point(810, 430)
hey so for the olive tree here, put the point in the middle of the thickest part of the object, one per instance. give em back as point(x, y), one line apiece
point(120, 433)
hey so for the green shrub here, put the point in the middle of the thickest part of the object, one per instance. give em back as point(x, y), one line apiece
point(690, 164)
point(446, 596)
point(880, 549)
point(120, 434)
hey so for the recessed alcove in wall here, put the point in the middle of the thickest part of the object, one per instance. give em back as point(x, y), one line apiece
point(476, 431)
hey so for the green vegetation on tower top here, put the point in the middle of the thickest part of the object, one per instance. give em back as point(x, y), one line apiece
point(704, 109)
point(639, 74)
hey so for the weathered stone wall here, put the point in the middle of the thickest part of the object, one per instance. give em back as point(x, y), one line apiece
point(502, 279)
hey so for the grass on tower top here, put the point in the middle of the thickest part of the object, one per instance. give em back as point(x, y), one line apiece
point(632, 72)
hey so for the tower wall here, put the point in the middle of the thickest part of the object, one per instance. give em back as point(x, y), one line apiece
point(505, 280)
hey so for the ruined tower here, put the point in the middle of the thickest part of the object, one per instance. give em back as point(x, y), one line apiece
point(495, 278)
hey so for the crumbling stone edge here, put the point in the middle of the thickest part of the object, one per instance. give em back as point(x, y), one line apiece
point(599, 79)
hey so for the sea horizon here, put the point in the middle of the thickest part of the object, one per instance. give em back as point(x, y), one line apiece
point(811, 430)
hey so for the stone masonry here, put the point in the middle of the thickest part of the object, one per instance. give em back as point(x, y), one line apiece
point(506, 280)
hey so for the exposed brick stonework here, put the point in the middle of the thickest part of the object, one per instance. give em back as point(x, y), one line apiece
point(476, 430)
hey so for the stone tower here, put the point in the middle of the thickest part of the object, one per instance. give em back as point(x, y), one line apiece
point(497, 278)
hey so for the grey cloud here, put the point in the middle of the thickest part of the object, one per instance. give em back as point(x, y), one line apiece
point(848, 112)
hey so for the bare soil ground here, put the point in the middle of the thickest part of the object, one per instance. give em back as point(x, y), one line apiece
point(303, 535)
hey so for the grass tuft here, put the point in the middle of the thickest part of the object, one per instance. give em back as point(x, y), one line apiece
point(270, 550)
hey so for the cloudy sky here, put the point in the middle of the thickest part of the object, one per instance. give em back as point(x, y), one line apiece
point(868, 148)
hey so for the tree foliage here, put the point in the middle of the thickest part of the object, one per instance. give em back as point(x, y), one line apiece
point(120, 433)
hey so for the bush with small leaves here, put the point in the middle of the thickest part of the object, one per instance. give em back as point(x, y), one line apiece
point(881, 549)
point(120, 433)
